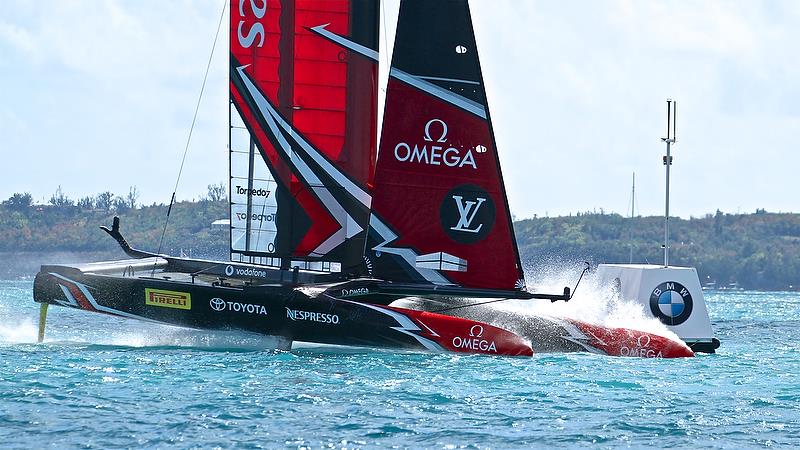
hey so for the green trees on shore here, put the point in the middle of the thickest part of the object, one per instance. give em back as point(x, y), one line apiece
point(66, 225)
point(757, 251)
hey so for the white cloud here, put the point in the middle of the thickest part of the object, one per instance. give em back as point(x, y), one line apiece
point(18, 38)
point(109, 100)
point(577, 91)
point(104, 92)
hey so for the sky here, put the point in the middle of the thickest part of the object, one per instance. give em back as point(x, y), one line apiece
point(99, 95)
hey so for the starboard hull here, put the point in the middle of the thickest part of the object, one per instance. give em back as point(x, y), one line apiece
point(318, 313)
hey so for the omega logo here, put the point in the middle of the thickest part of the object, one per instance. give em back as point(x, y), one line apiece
point(443, 137)
point(438, 152)
point(476, 331)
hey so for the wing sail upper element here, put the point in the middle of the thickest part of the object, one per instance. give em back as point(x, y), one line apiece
point(440, 213)
point(309, 107)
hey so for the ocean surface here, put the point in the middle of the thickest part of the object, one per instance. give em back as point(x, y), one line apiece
point(103, 382)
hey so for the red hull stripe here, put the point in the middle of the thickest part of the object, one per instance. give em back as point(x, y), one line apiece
point(627, 342)
point(438, 332)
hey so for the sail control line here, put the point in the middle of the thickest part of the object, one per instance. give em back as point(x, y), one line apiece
point(189, 137)
point(566, 296)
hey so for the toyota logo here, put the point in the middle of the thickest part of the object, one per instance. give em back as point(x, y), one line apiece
point(476, 331)
point(217, 304)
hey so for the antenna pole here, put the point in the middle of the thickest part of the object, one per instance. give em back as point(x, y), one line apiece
point(630, 227)
point(671, 113)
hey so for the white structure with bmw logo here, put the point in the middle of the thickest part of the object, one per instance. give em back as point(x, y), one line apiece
point(671, 294)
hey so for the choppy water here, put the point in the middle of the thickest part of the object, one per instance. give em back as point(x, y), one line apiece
point(100, 382)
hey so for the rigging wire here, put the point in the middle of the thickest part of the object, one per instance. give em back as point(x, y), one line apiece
point(191, 130)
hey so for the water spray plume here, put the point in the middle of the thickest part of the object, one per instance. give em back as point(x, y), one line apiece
point(596, 301)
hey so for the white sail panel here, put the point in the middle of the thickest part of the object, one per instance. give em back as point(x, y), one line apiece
point(260, 241)
point(253, 196)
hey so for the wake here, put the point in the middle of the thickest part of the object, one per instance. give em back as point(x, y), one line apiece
point(112, 332)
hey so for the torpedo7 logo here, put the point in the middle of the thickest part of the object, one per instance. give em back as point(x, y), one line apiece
point(467, 214)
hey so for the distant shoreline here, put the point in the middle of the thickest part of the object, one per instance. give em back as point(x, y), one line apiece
point(759, 251)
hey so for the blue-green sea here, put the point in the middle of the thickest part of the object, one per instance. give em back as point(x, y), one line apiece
point(103, 382)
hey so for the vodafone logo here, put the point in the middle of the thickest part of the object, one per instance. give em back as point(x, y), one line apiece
point(434, 149)
point(230, 271)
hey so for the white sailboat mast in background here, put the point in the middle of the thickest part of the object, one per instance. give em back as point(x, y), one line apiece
point(672, 110)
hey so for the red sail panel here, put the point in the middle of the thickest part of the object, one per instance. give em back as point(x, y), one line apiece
point(320, 76)
point(440, 213)
point(254, 35)
point(310, 103)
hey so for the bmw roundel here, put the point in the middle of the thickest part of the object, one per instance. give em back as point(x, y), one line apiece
point(671, 302)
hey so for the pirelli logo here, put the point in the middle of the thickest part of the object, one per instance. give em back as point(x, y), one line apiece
point(167, 299)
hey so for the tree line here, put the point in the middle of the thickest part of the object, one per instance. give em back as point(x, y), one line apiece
point(105, 201)
point(754, 251)
point(64, 224)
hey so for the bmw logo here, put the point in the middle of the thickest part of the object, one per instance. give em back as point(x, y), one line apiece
point(671, 302)
point(217, 304)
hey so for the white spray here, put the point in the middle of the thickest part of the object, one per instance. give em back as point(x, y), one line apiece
point(595, 301)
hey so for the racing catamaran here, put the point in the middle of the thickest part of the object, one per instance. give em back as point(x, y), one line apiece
point(336, 240)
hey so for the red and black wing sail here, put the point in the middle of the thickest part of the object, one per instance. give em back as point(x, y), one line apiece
point(303, 80)
point(439, 212)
